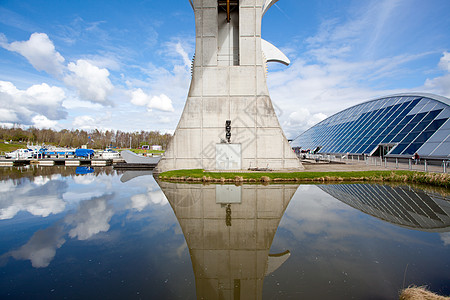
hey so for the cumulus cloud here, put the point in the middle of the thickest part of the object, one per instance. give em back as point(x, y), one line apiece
point(93, 217)
point(39, 51)
point(91, 122)
point(83, 122)
point(302, 117)
point(444, 62)
point(34, 106)
point(91, 82)
point(161, 102)
point(40, 121)
point(440, 85)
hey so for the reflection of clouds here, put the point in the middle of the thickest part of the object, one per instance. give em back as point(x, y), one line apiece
point(40, 200)
point(92, 217)
point(41, 248)
point(40, 180)
point(139, 202)
point(94, 200)
point(445, 237)
point(84, 179)
point(7, 186)
point(311, 213)
point(81, 195)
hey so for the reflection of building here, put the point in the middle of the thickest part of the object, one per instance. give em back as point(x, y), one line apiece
point(395, 126)
point(229, 242)
point(229, 121)
point(400, 205)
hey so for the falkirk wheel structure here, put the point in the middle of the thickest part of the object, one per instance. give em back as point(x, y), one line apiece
point(229, 122)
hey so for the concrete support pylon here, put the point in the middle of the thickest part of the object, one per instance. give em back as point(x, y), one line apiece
point(229, 86)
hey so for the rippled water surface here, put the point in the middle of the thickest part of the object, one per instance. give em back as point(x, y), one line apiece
point(83, 233)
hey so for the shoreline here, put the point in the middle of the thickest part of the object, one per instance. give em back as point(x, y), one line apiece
point(201, 176)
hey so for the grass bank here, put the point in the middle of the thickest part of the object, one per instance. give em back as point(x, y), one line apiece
point(10, 146)
point(420, 293)
point(198, 175)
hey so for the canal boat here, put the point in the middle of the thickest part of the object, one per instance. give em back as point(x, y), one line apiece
point(20, 154)
point(109, 154)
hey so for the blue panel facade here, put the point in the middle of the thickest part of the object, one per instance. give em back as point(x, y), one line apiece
point(407, 124)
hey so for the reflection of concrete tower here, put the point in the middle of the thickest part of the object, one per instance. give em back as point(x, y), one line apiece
point(228, 121)
point(229, 231)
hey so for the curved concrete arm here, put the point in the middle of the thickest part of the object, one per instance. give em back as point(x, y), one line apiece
point(267, 4)
point(275, 261)
point(273, 54)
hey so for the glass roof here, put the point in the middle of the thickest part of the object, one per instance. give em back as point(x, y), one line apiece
point(408, 124)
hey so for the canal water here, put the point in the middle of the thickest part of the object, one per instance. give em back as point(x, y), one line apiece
point(84, 233)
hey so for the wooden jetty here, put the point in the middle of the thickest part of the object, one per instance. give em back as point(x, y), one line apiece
point(59, 161)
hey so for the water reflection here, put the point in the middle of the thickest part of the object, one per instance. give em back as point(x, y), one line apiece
point(224, 239)
point(229, 231)
point(402, 205)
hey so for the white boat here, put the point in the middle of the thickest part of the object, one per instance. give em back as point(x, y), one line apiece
point(133, 158)
point(109, 154)
point(20, 154)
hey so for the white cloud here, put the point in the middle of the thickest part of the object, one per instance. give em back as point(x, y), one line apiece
point(7, 115)
point(139, 98)
point(88, 122)
point(87, 76)
point(303, 117)
point(36, 105)
point(444, 62)
point(83, 122)
point(41, 121)
point(438, 85)
point(40, 52)
point(91, 82)
point(161, 102)
point(180, 50)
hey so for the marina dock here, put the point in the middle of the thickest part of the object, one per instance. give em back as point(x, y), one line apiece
point(61, 161)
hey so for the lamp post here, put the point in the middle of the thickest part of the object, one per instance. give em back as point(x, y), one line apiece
point(130, 142)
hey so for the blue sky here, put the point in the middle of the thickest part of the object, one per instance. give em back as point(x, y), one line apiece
point(126, 65)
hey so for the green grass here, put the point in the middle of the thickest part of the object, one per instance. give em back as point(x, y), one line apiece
point(435, 179)
point(11, 147)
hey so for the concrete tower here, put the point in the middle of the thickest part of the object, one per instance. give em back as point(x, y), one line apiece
point(229, 122)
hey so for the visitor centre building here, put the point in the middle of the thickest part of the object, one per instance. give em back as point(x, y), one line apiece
point(397, 126)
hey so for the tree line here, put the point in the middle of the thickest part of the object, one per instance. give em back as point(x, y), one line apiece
point(93, 138)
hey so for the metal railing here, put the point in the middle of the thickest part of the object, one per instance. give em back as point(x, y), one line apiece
point(424, 165)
